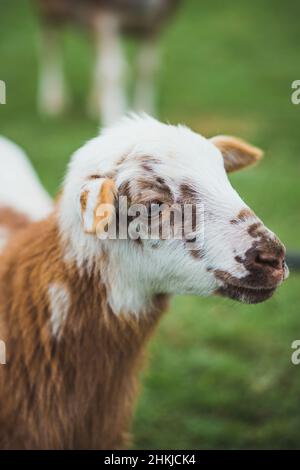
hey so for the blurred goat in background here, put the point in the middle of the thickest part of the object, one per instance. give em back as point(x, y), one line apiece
point(107, 20)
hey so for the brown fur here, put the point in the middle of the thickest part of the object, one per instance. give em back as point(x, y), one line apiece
point(242, 216)
point(197, 253)
point(76, 391)
point(237, 153)
point(154, 189)
point(137, 18)
point(12, 219)
point(106, 196)
point(83, 200)
point(188, 194)
point(264, 262)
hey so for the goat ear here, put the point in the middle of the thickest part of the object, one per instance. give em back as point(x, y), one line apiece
point(237, 153)
point(97, 204)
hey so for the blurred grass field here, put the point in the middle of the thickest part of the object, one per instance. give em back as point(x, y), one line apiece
point(220, 373)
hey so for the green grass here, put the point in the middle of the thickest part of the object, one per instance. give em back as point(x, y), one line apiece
point(220, 374)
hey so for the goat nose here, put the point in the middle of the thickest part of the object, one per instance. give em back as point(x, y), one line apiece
point(271, 260)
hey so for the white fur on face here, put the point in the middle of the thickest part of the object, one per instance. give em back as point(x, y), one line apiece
point(20, 187)
point(135, 273)
point(59, 299)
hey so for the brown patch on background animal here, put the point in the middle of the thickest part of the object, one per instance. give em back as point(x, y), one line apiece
point(135, 18)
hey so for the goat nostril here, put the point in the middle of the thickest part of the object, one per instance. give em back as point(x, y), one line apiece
point(267, 260)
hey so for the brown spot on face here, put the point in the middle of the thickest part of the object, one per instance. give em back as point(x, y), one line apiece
point(139, 20)
point(148, 163)
point(196, 253)
point(147, 168)
point(254, 230)
point(156, 195)
point(124, 190)
point(189, 196)
point(164, 188)
point(188, 193)
point(155, 190)
point(150, 160)
point(151, 189)
point(94, 177)
point(242, 216)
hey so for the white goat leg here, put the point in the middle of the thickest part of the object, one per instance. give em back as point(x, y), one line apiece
point(108, 97)
point(147, 62)
point(52, 98)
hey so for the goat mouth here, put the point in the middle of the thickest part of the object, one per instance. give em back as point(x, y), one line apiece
point(245, 294)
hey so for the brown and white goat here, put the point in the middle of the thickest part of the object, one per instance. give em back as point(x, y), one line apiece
point(77, 309)
point(107, 20)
